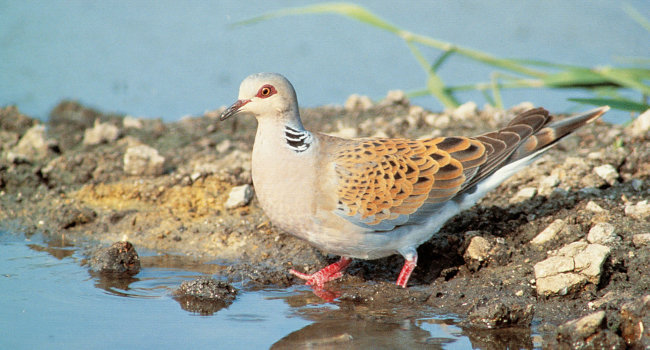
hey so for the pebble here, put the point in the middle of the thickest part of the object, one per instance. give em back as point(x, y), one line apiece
point(641, 124)
point(548, 184)
point(524, 194)
point(603, 233)
point(32, 146)
point(396, 97)
point(439, 121)
point(344, 131)
point(641, 239)
point(120, 258)
point(143, 160)
point(465, 111)
point(549, 233)
point(570, 267)
point(582, 327)
point(358, 103)
point(205, 295)
point(640, 210)
point(607, 172)
point(478, 249)
point(594, 207)
point(100, 133)
point(224, 146)
point(131, 122)
point(239, 196)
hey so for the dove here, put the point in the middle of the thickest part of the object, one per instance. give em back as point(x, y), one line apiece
point(369, 198)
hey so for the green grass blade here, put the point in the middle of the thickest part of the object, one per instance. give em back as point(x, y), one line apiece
point(637, 16)
point(622, 104)
point(345, 9)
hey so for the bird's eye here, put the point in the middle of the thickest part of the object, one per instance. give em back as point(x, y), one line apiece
point(266, 91)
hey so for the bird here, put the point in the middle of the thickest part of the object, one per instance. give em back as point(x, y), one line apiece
point(368, 198)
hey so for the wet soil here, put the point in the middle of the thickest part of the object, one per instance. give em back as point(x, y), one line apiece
point(80, 190)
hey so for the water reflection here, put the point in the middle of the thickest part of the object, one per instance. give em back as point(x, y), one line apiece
point(295, 315)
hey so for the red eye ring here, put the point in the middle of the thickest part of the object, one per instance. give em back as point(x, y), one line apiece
point(266, 91)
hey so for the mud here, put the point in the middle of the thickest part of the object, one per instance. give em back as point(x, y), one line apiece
point(62, 186)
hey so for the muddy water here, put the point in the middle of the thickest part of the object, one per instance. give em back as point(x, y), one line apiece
point(48, 299)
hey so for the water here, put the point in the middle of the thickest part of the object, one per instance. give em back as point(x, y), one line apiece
point(49, 300)
point(168, 58)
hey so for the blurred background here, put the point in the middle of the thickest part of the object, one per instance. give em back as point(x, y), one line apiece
point(166, 59)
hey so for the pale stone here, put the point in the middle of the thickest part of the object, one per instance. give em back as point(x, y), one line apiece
point(602, 233)
point(465, 111)
point(143, 160)
point(524, 194)
point(571, 249)
point(607, 172)
point(641, 239)
point(590, 261)
point(239, 196)
point(583, 327)
point(101, 132)
point(396, 97)
point(641, 124)
point(594, 207)
point(561, 284)
point(478, 248)
point(441, 121)
point(131, 122)
point(358, 103)
point(641, 210)
point(549, 232)
point(553, 266)
point(344, 131)
point(33, 145)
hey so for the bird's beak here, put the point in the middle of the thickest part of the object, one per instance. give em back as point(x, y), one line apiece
point(232, 110)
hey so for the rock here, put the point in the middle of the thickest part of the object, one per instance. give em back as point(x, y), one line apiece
point(524, 194)
point(100, 133)
point(32, 146)
point(570, 267)
point(438, 121)
point(13, 121)
point(502, 315)
point(465, 111)
point(131, 122)
point(72, 215)
point(358, 103)
point(553, 266)
point(396, 97)
point(478, 249)
point(562, 284)
point(589, 262)
point(547, 184)
point(239, 196)
point(143, 160)
point(224, 146)
point(641, 210)
point(588, 332)
point(637, 184)
point(594, 207)
point(641, 124)
point(608, 173)
point(635, 323)
point(344, 131)
point(205, 295)
point(120, 258)
point(641, 239)
point(603, 233)
point(549, 233)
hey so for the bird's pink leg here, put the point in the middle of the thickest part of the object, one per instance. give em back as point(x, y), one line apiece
point(326, 274)
point(409, 264)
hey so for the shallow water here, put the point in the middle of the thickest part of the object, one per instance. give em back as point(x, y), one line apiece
point(48, 299)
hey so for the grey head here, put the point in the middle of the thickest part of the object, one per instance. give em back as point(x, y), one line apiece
point(265, 95)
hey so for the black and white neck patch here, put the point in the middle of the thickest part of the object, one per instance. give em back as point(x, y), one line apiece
point(297, 140)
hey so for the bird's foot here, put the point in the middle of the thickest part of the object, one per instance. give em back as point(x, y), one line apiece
point(324, 275)
point(409, 265)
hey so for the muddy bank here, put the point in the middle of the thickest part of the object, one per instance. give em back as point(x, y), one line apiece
point(566, 239)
